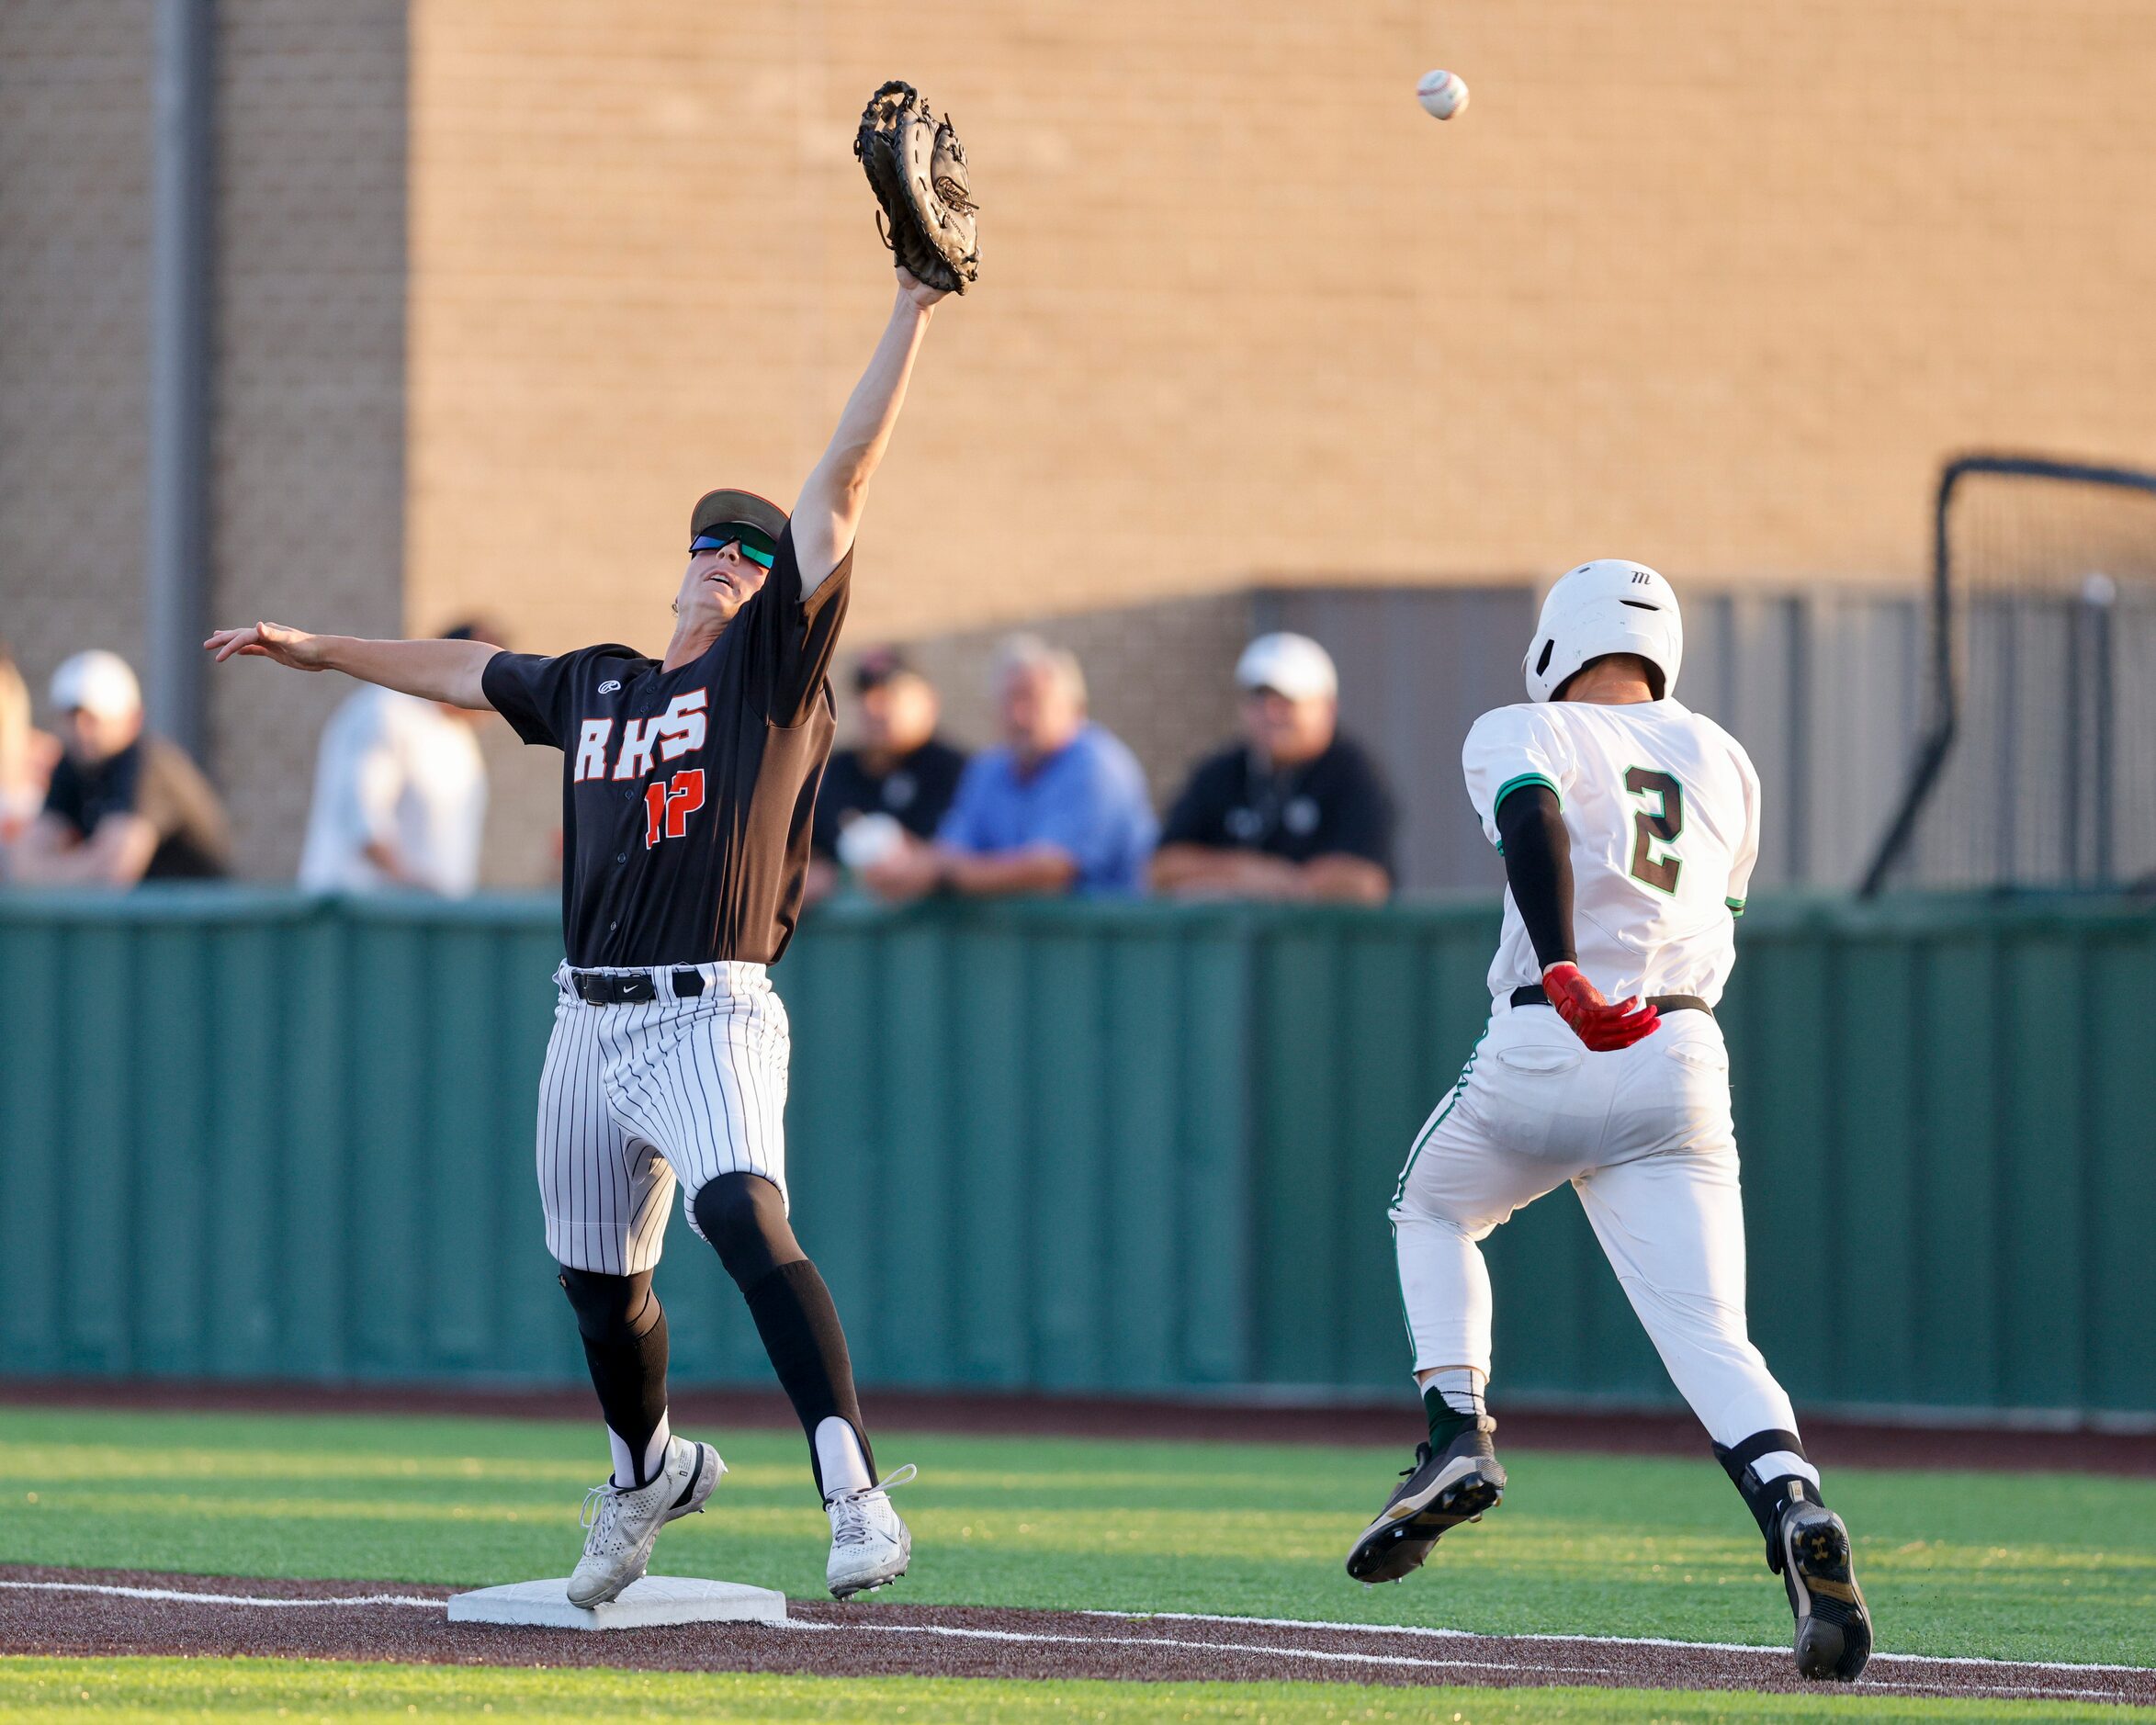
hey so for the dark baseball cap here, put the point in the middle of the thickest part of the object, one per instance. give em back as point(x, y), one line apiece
point(879, 665)
point(715, 508)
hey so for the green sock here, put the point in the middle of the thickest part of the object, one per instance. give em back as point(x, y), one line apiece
point(1447, 1422)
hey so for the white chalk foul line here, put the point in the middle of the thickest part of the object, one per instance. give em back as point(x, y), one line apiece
point(117, 1592)
point(1416, 1630)
point(181, 1597)
point(1034, 1637)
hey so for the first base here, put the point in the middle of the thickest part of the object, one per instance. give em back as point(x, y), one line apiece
point(644, 1603)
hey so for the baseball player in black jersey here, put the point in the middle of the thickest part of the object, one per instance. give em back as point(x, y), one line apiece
point(686, 799)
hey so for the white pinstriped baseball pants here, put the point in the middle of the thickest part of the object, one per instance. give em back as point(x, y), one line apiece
point(637, 1099)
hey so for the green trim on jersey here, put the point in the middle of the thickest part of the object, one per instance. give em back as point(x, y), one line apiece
point(1510, 785)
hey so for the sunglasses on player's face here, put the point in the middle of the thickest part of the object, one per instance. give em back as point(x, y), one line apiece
point(756, 545)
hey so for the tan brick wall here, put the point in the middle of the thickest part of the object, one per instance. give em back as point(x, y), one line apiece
point(1712, 285)
point(74, 285)
point(309, 382)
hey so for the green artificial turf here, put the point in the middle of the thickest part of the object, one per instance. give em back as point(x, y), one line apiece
point(139, 1690)
point(2031, 1566)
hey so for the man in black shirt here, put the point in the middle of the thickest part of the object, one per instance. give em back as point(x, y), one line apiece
point(122, 806)
point(902, 770)
point(686, 796)
point(1295, 810)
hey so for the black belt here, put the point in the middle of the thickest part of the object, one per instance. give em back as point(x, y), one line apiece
point(1533, 995)
point(607, 987)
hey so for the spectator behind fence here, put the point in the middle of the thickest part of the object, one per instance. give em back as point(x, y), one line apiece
point(399, 794)
point(123, 805)
point(903, 773)
point(1059, 807)
point(1294, 810)
point(27, 758)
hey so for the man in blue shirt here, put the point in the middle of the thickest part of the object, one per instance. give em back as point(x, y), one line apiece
point(1060, 806)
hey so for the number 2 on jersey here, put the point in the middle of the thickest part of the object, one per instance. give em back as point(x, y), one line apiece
point(1658, 824)
point(667, 807)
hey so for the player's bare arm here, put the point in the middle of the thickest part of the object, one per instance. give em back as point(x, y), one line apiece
point(828, 510)
point(917, 870)
point(116, 854)
point(1199, 870)
point(447, 671)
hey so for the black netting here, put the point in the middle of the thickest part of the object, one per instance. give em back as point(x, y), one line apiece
point(2044, 773)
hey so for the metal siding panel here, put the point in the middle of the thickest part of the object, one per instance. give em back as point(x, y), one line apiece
point(1779, 1015)
point(97, 1196)
point(316, 1125)
point(1963, 1163)
point(393, 1025)
point(1068, 1191)
point(33, 1164)
point(1379, 1025)
point(247, 1265)
point(1959, 1302)
point(1299, 1192)
point(917, 1183)
point(457, 1240)
point(534, 1333)
point(1145, 1158)
point(2041, 1004)
point(995, 1145)
point(1222, 1265)
point(168, 1148)
point(2121, 1203)
point(1868, 1293)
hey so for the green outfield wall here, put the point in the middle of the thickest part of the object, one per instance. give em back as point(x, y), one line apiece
point(1070, 1148)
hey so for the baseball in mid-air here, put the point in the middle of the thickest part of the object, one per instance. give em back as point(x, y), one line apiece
point(1441, 93)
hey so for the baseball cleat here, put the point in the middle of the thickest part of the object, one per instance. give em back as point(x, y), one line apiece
point(1443, 1489)
point(870, 1546)
point(620, 1526)
point(1833, 1629)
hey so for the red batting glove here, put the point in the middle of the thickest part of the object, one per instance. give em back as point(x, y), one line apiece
point(1602, 1026)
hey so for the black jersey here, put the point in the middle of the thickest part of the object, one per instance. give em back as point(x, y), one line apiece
point(1333, 806)
point(687, 795)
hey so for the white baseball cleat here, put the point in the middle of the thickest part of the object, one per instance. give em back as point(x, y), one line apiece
point(620, 1526)
point(870, 1546)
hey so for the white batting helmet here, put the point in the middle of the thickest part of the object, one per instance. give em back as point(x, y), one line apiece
point(1612, 605)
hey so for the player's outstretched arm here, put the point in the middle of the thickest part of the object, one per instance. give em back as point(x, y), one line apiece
point(447, 671)
point(828, 510)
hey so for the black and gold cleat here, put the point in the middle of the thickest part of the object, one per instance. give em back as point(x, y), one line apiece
point(1833, 1629)
point(1443, 1489)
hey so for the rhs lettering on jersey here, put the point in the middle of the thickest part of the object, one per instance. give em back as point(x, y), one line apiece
point(680, 730)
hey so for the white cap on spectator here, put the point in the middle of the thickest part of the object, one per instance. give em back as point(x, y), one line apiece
point(99, 682)
point(1293, 665)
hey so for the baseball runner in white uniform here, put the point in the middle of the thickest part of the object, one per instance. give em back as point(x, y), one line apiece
point(1629, 828)
point(688, 786)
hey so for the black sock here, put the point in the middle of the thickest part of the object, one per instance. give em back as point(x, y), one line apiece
point(800, 1324)
point(1766, 1498)
point(624, 1331)
point(1447, 1422)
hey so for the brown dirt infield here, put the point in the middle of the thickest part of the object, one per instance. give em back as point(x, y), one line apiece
point(75, 1613)
point(1831, 1442)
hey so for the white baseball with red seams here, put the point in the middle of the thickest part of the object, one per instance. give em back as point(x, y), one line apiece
point(1441, 93)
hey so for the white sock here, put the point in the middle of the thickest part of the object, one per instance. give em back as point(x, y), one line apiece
point(631, 1470)
point(1461, 1386)
point(1781, 1464)
point(839, 1458)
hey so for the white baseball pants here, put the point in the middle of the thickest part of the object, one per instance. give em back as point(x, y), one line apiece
point(636, 1099)
point(1645, 1137)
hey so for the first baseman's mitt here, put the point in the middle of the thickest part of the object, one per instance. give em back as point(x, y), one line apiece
point(917, 167)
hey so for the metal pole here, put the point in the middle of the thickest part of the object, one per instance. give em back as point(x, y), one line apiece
point(176, 567)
